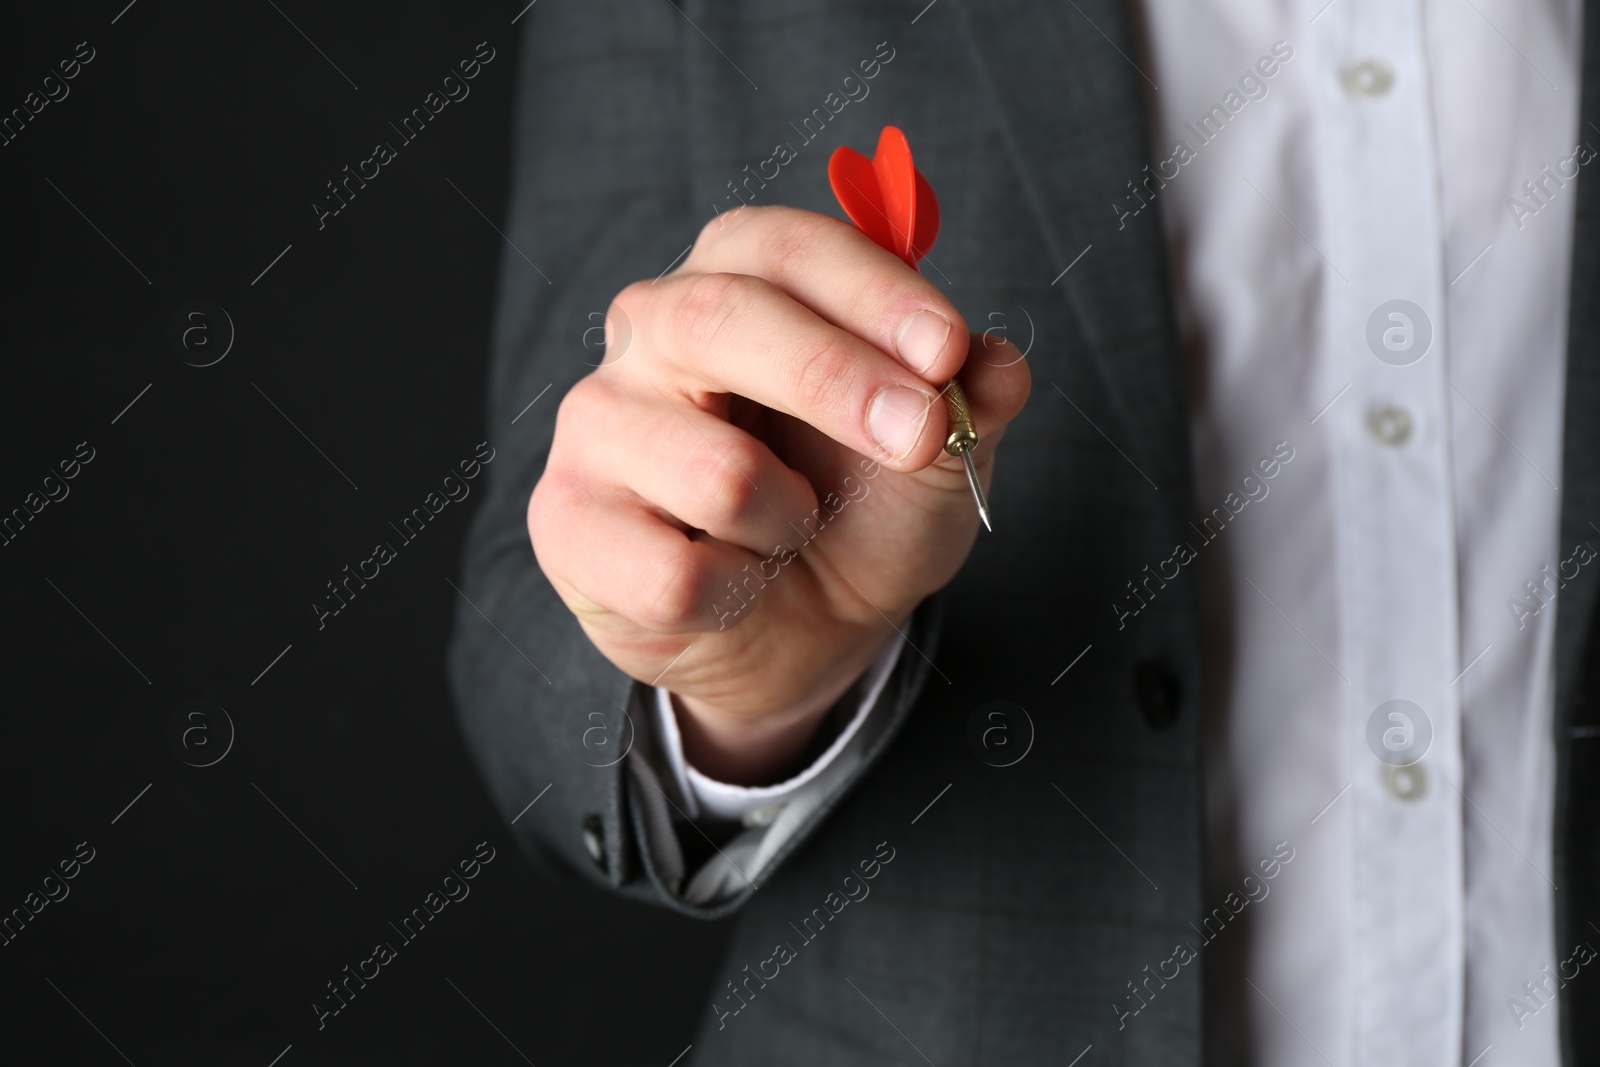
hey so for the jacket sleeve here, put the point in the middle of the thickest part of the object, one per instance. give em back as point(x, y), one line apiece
point(600, 197)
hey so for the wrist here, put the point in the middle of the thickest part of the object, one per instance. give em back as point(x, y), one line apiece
point(765, 749)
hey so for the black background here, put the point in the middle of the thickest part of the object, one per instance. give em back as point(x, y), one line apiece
point(216, 507)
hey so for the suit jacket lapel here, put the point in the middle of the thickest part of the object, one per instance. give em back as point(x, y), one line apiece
point(1071, 108)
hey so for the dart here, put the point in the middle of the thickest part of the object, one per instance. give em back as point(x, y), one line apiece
point(890, 201)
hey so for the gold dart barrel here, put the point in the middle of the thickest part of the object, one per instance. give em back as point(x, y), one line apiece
point(963, 433)
point(962, 440)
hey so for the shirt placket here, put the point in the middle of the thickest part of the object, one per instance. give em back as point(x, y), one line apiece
point(1385, 337)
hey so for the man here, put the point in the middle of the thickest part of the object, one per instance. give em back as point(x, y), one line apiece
point(1257, 731)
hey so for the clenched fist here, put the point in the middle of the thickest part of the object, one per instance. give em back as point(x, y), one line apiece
point(756, 492)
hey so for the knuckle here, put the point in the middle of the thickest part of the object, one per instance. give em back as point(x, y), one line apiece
point(630, 300)
point(724, 481)
point(786, 247)
point(553, 500)
point(716, 229)
point(822, 377)
point(578, 408)
point(879, 293)
point(706, 305)
point(725, 224)
point(671, 594)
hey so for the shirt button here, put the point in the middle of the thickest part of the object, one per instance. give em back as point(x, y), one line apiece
point(1390, 424)
point(1158, 693)
point(1369, 78)
point(1406, 783)
point(594, 840)
point(759, 817)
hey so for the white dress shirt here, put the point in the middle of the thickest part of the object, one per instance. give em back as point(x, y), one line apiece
point(1400, 150)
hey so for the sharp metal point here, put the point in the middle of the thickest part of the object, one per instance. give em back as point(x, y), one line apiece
point(977, 490)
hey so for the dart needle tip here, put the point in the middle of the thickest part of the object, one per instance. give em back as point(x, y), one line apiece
point(977, 490)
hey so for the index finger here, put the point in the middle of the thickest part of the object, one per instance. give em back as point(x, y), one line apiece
point(724, 333)
point(840, 274)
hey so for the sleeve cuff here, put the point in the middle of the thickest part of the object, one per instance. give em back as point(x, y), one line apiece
point(707, 798)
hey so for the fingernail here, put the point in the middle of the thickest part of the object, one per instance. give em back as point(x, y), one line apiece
point(921, 338)
point(895, 418)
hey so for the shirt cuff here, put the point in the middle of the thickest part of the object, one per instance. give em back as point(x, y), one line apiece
point(707, 798)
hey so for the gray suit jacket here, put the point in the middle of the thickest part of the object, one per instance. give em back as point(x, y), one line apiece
point(1003, 925)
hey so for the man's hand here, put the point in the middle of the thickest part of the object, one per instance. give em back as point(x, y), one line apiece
point(755, 491)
